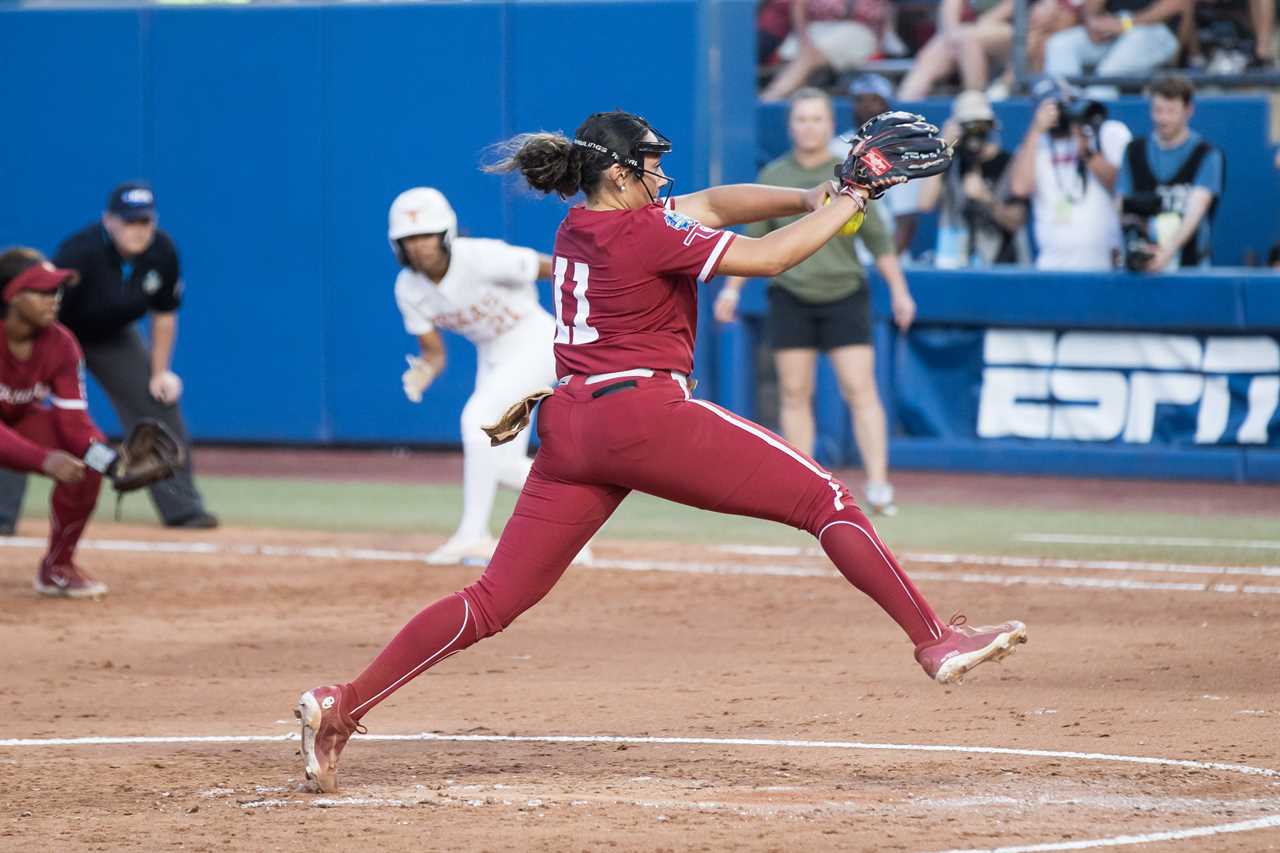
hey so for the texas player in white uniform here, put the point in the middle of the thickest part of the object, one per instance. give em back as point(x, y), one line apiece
point(483, 290)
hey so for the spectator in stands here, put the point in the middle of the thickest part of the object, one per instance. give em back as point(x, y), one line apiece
point(840, 34)
point(773, 24)
point(974, 35)
point(1119, 38)
point(981, 222)
point(1273, 257)
point(899, 207)
point(824, 304)
point(1067, 166)
point(1170, 183)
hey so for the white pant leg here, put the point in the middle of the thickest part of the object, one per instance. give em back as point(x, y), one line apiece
point(1140, 51)
point(506, 370)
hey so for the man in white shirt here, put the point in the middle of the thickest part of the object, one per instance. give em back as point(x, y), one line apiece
point(1067, 165)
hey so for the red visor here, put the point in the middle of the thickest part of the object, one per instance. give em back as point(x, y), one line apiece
point(43, 276)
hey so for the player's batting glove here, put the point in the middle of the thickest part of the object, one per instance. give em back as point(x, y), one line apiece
point(892, 148)
point(416, 379)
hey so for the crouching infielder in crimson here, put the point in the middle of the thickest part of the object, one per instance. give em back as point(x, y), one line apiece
point(44, 417)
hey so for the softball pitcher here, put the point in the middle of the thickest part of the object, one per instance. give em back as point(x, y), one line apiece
point(621, 417)
point(484, 291)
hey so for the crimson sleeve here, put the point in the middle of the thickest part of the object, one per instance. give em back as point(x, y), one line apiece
point(674, 244)
point(18, 453)
point(67, 395)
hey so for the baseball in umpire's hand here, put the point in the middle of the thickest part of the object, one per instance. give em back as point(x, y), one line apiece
point(166, 387)
point(63, 467)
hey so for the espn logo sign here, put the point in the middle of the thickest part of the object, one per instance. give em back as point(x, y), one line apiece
point(876, 162)
point(1107, 386)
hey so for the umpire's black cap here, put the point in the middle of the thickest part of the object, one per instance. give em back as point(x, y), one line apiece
point(132, 201)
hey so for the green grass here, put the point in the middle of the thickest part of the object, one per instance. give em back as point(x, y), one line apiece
point(430, 508)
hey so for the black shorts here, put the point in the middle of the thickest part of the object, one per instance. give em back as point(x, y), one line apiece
point(794, 323)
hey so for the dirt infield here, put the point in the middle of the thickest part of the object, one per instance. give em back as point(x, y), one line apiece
point(828, 713)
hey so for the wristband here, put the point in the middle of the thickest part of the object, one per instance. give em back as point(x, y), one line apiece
point(100, 457)
point(849, 191)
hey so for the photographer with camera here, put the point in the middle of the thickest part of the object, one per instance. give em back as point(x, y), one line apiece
point(1067, 166)
point(981, 220)
point(1169, 185)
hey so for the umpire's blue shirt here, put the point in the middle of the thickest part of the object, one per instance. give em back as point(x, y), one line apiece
point(113, 292)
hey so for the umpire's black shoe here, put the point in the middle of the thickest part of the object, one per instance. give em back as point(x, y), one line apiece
point(200, 521)
point(8, 528)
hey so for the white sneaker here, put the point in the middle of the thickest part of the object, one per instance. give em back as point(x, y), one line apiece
point(463, 549)
point(880, 499)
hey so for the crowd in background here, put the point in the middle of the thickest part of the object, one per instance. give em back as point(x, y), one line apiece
point(1078, 191)
point(968, 44)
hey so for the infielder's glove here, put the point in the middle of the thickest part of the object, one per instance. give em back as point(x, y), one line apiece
point(150, 454)
point(891, 148)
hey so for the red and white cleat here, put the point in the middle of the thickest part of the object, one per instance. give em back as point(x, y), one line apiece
point(326, 727)
point(68, 581)
point(962, 648)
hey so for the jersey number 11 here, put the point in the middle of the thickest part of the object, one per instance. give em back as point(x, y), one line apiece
point(580, 332)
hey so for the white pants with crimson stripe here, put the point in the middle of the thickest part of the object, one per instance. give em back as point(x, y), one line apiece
point(506, 369)
point(643, 435)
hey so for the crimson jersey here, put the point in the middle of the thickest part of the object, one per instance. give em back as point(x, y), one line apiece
point(52, 373)
point(626, 288)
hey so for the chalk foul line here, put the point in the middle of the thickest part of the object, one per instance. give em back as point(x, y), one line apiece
point(1191, 764)
point(1083, 844)
point(767, 570)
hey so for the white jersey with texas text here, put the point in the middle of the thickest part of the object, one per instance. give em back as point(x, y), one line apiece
point(487, 293)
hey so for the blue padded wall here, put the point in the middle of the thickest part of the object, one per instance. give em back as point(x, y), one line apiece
point(277, 136)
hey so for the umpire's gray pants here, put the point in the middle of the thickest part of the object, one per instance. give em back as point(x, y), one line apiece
point(122, 366)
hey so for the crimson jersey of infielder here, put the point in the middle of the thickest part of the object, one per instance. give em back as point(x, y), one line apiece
point(43, 409)
point(626, 271)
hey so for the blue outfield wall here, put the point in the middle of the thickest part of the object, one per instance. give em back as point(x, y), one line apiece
point(277, 136)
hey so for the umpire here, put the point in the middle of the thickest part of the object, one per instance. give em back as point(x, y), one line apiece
point(128, 267)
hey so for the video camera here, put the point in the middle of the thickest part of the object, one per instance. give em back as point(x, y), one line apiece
point(1135, 212)
point(1073, 110)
